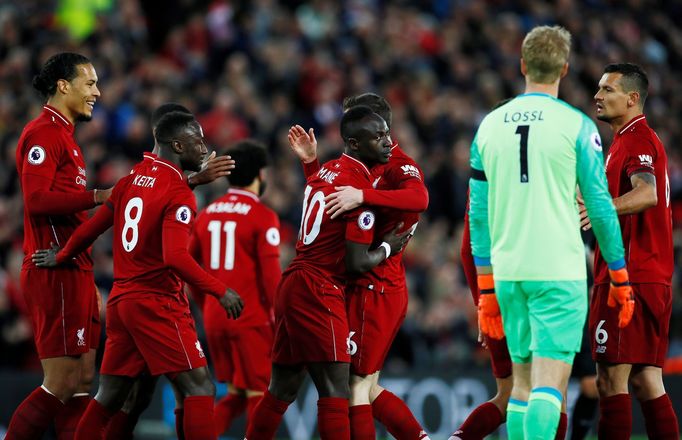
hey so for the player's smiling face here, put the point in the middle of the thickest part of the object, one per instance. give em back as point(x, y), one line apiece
point(82, 93)
point(611, 99)
point(374, 146)
point(193, 148)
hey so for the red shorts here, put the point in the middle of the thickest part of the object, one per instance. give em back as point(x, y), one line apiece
point(241, 356)
point(374, 319)
point(645, 339)
point(63, 307)
point(154, 335)
point(310, 320)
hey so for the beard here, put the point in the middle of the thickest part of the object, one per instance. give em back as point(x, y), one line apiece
point(82, 117)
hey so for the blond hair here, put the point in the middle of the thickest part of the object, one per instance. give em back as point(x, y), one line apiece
point(545, 51)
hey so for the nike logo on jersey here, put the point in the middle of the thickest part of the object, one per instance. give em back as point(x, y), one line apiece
point(376, 182)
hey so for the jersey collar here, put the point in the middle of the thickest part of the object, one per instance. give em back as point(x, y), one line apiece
point(242, 192)
point(57, 117)
point(356, 163)
point(147, 155)
point(632, 123)
point(171, 165)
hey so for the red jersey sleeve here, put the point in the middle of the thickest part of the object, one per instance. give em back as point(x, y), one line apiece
point(311, 168)
point(411, 195)
point(195, 252)
point(641, 155)
point(42, 156)
point(177, 225)
point(360, 225)
point(87, 233)
point(269, 270)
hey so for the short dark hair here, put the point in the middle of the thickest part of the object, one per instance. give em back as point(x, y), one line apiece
point(163, 109)
point(377, 103)
point(58, 66)
point(172, 125)
point(350, 122)
point(634, 78)
point(250, 157)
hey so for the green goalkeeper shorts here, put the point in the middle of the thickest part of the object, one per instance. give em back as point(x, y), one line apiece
point(543, 318)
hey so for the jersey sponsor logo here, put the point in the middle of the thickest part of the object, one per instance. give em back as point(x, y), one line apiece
point(81, 181)
point(183, 214)
point(272, 236)
point(197, 345)
point(595, 141)
point(366, 220)
point(80, 334)
point(411, 170)
point(646, 160)
point(36, 155)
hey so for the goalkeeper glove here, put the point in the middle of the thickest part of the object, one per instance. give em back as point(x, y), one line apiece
point(489, 317)
point(620, 293)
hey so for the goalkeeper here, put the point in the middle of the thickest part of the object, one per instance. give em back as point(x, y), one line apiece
point(526, 159)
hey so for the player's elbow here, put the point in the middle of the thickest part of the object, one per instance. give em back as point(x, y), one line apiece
point(33, 204)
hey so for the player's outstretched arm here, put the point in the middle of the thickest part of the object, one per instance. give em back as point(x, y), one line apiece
point(212, 168)
point(304, 146)
point(412, 197)
point(81, 239)
point(360, 259)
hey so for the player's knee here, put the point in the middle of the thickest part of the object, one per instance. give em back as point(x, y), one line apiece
point(375, 391)
point(609, 385)
point(204, 388)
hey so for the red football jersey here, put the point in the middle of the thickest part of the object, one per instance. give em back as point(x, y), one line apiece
point(236, 239)
point(151, 206)
point(400, 171)
point(321, 245)
point(50, 165)
point(647, 236)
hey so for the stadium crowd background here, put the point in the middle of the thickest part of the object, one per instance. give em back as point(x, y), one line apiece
point(254, 68)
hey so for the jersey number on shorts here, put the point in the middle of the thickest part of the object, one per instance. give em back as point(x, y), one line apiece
point(523, 153)
point(130, 225)
point(214, 227)
point(317, 204)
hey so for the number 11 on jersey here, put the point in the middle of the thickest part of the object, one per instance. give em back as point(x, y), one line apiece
point(215, 227)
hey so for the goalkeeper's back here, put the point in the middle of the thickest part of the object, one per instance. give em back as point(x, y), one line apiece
point(533, 152)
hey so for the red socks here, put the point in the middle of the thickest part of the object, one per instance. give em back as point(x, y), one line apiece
point(392, 412)
point(251, 403)
point(361, 423)
point(660, 419)
point(615, 417)
point(198, 418)
point(33, 416)
point(266, 417)
point(67, 419)
point(179, 423)
point(332, 418)
point(484, 420)
point(562, 428)
point(226, 410)
point(120, 427)
point(93, 422)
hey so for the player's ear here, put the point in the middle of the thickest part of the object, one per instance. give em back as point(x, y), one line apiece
point(564, 70)
point(353, 144)
point(176, 146)
point(524, 68)
point(633, 98)
point(63, 86)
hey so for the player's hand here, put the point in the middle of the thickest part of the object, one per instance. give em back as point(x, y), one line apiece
point(303, 144)
point(211, 169)
point(102, 195)
point(620, 293)
point(232, 303)
point(397, 240)
point(585, 223)
point(343, 200)
point(489, 316)
point(46, 257)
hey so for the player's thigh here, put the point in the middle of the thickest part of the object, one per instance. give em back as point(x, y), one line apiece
point(514, 309)
point(374, 319)
point(286, 381)
point(194, 382)
point(645, 339)
point(557, 311)
point(121, 355)
point(164, 333)
point(548, 372)
point(113, 391)
point(61, 303)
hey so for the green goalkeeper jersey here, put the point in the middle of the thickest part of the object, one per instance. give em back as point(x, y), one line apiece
point(527, 158)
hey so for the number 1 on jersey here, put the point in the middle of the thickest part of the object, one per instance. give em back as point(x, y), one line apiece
point(523, 131)
point(214, 227)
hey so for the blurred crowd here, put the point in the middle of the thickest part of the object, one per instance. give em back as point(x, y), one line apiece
point(253, 68)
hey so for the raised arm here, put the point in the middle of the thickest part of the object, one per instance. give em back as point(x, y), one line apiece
point(304, 146)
